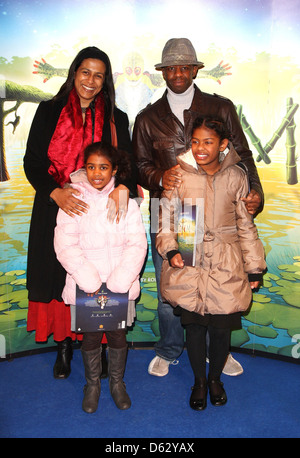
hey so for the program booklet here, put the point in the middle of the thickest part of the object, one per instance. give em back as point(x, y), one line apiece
point(190, 232)
point(103, 311)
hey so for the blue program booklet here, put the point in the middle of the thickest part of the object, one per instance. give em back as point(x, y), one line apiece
point(103, 311)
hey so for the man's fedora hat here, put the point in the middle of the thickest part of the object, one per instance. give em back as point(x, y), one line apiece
point(178, 51)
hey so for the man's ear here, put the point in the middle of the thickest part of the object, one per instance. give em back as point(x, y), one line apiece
point(163, 72)
point(195, 71)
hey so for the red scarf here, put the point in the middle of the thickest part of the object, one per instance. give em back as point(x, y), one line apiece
point(71, 137)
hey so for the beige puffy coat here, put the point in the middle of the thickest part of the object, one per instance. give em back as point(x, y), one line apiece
point(230, 249)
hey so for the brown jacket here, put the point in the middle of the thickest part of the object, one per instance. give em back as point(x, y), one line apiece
point(230, 249)
point(159, 137)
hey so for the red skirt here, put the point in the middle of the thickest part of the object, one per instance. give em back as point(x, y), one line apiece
point(51, 318)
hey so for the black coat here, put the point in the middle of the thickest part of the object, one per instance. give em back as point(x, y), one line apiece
point(45, 275)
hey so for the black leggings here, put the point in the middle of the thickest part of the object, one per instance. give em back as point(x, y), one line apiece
point(219, 342)
point(92, 340)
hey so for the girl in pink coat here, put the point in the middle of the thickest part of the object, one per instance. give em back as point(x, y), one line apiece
point(93, 251)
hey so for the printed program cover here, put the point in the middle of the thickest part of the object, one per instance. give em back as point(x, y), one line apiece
point(103, 311)
point(189, 232)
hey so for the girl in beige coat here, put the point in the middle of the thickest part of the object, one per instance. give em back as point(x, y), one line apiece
point(229, 257)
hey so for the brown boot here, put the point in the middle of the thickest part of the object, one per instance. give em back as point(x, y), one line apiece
point(104, 373)
point(116, 368)
point(92, 389)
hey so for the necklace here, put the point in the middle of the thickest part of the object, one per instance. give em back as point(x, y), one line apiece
point(83, 109)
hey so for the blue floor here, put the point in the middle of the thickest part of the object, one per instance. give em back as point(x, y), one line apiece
point(263, 402)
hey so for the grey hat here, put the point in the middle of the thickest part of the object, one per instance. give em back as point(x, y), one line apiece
point(178, 51)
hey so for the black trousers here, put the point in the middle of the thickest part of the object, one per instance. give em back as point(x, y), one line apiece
point(219, 342)
point(92, 340)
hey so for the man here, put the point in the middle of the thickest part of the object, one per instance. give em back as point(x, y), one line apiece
point(161, 132)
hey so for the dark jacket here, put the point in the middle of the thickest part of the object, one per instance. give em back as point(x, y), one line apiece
point(45, 275)
point(159, 137)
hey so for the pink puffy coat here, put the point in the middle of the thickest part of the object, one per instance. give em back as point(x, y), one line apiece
point(93, 251)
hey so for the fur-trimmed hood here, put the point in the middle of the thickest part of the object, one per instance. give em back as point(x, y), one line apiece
point(227, 158)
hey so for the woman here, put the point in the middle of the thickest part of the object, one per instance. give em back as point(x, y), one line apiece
point(82, 112)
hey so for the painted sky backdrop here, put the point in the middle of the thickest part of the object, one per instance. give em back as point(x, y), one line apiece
point(259, 39)
point(30, 27)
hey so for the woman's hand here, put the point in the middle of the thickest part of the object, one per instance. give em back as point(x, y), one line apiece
point(66, 200)
point(117, 203)
point(177, 261)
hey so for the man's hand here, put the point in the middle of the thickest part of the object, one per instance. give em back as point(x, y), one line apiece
point(118, 203)
point(177, 261)
point(66, 200)
point(254, 284)
point(171, 178)
point(252, 201)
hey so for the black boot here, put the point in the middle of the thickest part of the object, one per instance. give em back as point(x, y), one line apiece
point(104, 373)
point(216, 391)
point(92, 389)
point(62, 366)
point(116, 368)
point(199, 395)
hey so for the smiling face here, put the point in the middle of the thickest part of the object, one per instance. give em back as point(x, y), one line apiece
point(206, 146)
point(99, 171)
point(179, 77)
point(89, 80)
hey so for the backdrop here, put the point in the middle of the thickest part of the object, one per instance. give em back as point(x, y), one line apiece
point(251, 55)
